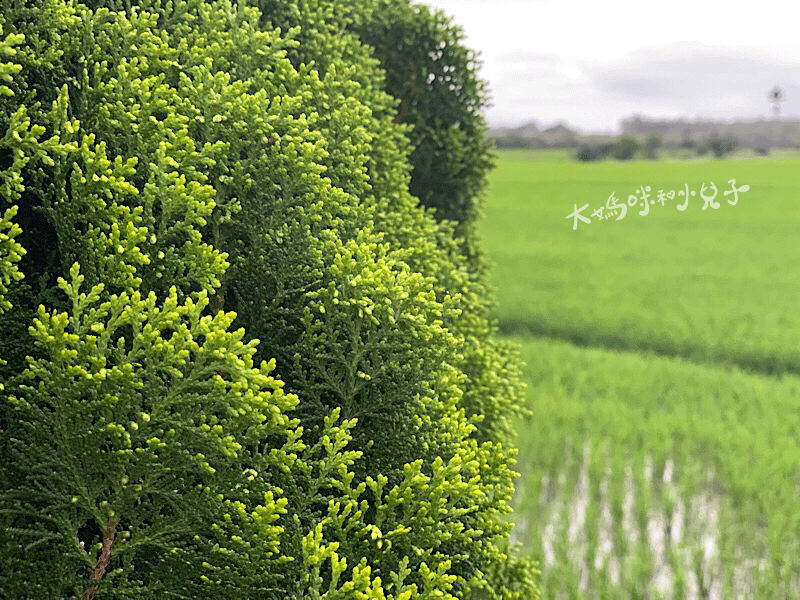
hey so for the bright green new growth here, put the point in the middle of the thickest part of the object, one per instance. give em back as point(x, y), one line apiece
point(18, 138)
point(11, 253)
point(199, 161)
point(143, 426)
point(135, 400)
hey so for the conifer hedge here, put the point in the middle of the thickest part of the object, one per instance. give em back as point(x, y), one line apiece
point(239, 359)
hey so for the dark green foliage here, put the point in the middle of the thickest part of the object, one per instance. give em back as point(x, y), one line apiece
point(720, 145)
point(209, 166)
point(591, 152)
point(625, 148)
point(761, 151)
point(702, 149)
point(651, 145)
point(517, 141)
point(434, 76)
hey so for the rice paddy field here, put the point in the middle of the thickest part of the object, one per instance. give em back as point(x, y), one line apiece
point(662, 346)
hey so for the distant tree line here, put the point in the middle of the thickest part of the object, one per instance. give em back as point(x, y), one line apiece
point(627, 147)
point(749, 134)
point(624, 148)
point(703, 137)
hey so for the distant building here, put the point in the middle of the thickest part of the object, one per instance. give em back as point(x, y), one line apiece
point(750, 134)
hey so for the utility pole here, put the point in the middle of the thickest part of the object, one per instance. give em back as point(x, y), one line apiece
point(776, 96)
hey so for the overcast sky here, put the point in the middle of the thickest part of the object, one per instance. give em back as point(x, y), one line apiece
point(591, 64)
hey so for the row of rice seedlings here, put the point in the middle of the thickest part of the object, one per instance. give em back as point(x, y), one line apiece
point(672, 546)
point(691, 551)
point(722, 486)
point(598, 515)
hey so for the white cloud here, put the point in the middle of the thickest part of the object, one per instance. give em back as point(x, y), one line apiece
point(592, 64)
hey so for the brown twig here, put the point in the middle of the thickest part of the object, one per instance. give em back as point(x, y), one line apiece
point(220, 299)
point(403, 111)
point(105, 556)
point(412, 82)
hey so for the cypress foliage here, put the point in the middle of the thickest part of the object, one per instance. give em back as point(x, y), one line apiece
point(435, 78)
point(11, 251)
point(228, 181)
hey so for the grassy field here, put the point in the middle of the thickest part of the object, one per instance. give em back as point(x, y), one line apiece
point(712, 285)
point(663, 459)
